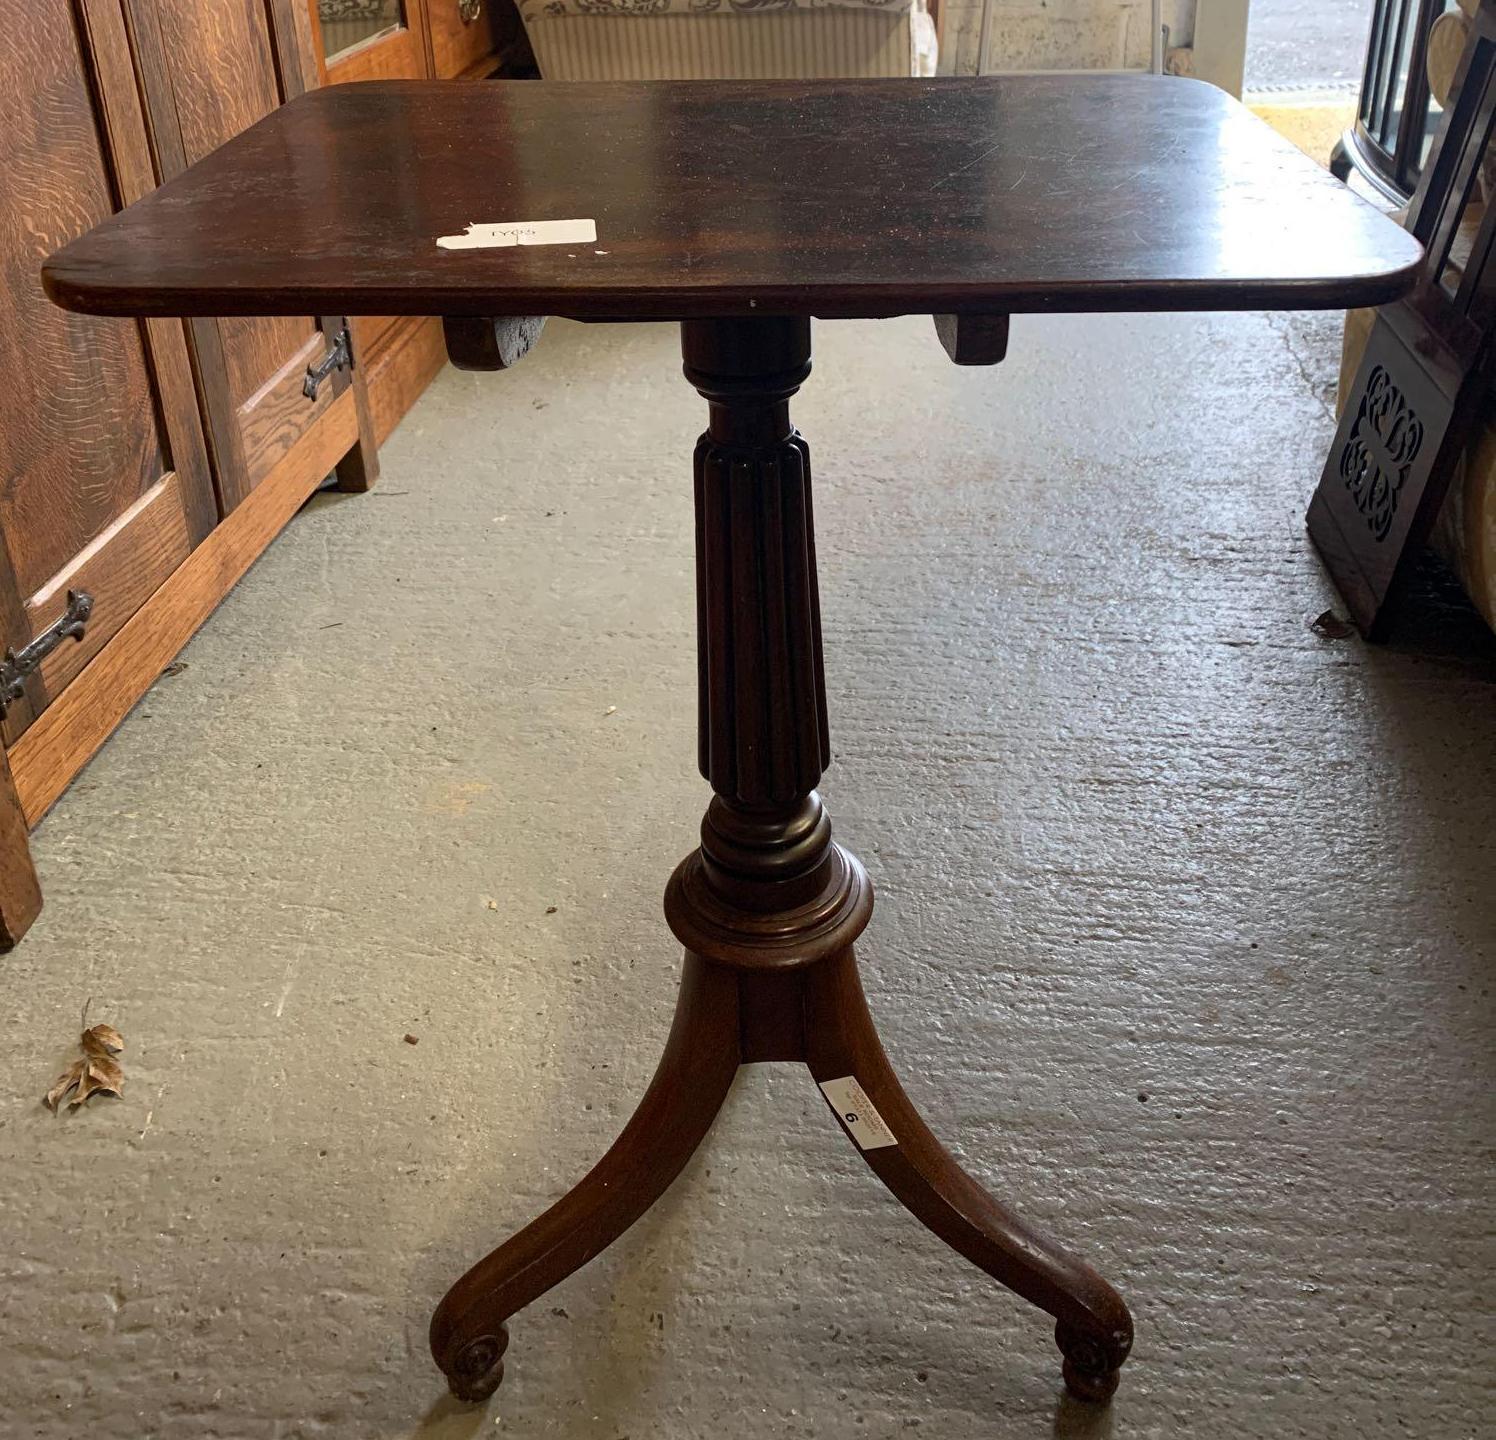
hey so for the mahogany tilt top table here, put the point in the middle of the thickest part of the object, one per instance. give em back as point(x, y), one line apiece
point(742, 210)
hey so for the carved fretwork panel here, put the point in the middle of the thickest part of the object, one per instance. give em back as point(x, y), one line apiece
point(1374, 506)
point(1386, 436)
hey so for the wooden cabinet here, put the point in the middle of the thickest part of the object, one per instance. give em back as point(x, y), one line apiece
point(144, 464)
point(147, 465)
point(405, 39)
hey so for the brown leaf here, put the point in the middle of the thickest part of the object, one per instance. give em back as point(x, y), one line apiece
point(102, 1040)
point(100, 1077)
point(65, 1082)
point(97, 1073)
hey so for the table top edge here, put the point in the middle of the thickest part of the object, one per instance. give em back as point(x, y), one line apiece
point(78, 293)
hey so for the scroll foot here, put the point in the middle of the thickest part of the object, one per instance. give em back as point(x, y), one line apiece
point(479, 1367)
point(1093, 1365)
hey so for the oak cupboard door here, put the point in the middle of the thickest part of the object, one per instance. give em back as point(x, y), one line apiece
point(104, 477)
point(209, 71)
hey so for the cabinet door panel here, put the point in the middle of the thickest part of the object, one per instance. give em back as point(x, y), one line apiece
point(121, 569)
point(103, 469)
point(351, 48)
point(211, 71)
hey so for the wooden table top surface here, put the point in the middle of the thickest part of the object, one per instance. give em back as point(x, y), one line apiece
point(831, 198)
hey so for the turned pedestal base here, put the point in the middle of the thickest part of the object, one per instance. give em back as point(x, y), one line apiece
point(768, 908)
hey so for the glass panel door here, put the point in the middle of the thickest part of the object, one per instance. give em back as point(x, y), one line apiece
point(347, 24)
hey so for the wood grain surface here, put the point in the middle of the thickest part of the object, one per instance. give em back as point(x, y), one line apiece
point(78, 438)
point(827, 198)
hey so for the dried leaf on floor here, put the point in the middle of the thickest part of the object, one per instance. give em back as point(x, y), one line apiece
point(96, 1073)
point(1330, 626)
point(175, 668)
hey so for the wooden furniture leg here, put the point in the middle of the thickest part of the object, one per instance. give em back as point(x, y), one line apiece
point(468, 1333)
point(1093, 1330)
point(20, 892)
point(358, 470)
point(768, 906)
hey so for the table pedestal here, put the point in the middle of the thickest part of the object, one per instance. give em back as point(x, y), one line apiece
point(768, 908)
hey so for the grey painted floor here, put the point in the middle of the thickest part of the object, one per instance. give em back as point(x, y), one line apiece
point(1184, 934)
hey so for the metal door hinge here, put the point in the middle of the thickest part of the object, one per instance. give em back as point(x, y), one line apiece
point(17, 665)
point(339, 354)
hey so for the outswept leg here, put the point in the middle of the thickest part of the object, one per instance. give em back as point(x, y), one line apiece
point(468, 1333)
point(1094, 1329)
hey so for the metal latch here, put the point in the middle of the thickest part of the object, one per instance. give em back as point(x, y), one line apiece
point(339, 354)
point(16, 666)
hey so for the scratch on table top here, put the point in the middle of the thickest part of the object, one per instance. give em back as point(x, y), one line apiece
point(962, 169)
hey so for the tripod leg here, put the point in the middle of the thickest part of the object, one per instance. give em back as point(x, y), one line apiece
point(1094, 1330)
point(468, 1333)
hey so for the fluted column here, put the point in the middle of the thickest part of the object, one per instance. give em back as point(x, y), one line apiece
point(763, 735)
point(766, 846)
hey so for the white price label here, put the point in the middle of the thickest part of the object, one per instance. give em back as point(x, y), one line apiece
point(521, 232)
point(864, 1124)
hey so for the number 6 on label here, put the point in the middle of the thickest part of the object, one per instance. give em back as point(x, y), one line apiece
point(853, 1108)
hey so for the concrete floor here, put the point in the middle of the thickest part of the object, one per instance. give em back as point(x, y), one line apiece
point(1184, 934)
point(1306, 44)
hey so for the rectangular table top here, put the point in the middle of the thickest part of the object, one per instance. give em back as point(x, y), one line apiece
point(831, 198)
